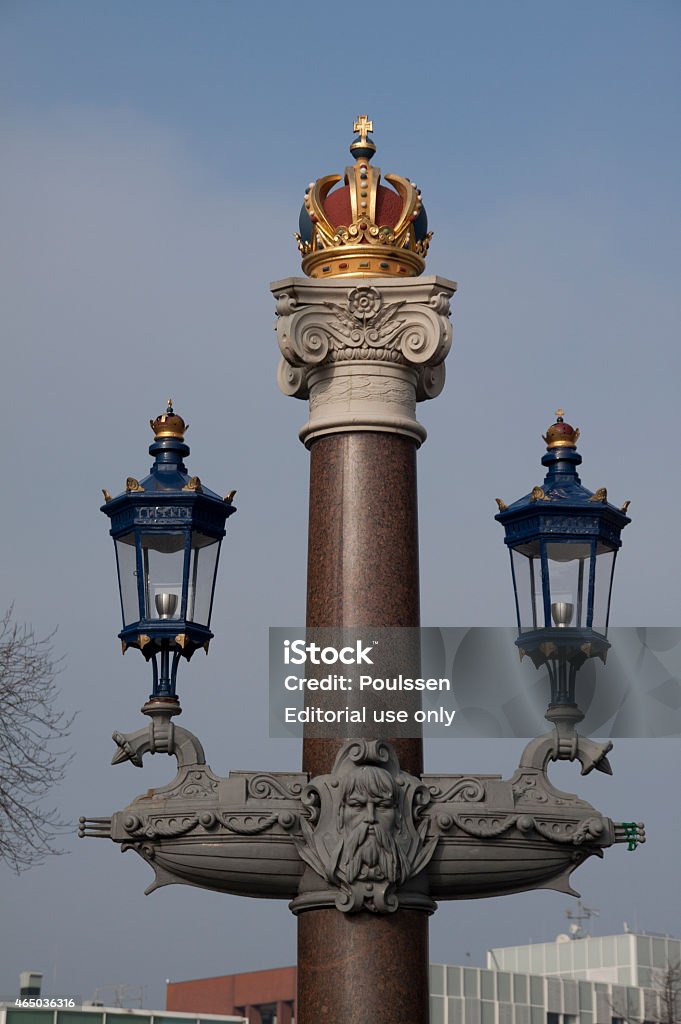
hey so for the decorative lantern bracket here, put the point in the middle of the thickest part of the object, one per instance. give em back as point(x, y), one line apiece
point(366, 837)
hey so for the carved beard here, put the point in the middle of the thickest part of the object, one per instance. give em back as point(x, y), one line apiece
point(370, 857)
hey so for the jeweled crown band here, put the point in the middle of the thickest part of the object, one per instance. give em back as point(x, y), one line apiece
point(363, 228)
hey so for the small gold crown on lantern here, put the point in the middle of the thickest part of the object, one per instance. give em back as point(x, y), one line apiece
point(169, 424)
point(363, 228)
point(560, 434)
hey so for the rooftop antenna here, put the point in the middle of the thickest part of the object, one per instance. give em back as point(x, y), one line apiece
point(578, 916)
point(122, 996)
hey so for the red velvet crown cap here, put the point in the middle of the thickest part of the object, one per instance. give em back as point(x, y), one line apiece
point(560, 434)
point(339, 210)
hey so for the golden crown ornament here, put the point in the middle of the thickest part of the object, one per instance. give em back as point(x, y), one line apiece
point(363, 228)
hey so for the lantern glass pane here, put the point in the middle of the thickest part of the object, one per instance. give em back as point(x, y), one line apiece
point(527, 572)
point(605, 564)
point(202, 566)
point(126, 555)
point(163, 562)
point(568, 565)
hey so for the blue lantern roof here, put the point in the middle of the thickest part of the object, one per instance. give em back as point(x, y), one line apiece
point(168, 479)
point(562, 505)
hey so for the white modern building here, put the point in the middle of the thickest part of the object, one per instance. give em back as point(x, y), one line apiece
point(634, 959)
point(613, 979)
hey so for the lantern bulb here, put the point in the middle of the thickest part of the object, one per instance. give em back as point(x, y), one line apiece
point(166, 605)
point(562, 612)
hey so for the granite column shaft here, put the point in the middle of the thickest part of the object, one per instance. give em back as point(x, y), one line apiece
point(362, 571)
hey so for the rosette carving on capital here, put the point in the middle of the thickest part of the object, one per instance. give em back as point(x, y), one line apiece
point(365, 324)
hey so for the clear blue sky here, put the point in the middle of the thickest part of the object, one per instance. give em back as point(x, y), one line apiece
point(154, 160)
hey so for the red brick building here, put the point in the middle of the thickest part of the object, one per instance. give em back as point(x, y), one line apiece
point(262, 996)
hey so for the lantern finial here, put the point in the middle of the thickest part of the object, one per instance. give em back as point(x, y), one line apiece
point(169, 424)
point(561, 434)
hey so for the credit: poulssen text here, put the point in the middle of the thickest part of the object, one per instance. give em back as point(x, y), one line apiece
point(394, 684)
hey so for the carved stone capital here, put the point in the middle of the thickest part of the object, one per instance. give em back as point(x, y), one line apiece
point(363, 352)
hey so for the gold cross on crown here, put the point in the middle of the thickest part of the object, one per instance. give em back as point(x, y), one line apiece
point(363, 126)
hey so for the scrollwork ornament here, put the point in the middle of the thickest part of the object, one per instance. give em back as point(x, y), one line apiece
point(311, 805)
point(267, 787)
point(314, 344)
point(470, 790)
point(427, 338)
point(198, 784)
point(440, 303)
point(431, 382)
point(292, 380)
point(285, 304)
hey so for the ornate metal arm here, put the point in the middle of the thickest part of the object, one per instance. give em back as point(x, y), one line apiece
point(161, 736)
point(562, 745)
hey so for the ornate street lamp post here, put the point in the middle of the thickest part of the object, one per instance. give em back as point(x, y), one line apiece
point(563, 541)
point(167, 530)
point(361, 842)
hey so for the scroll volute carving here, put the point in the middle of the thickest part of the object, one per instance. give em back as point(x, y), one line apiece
point(363, 325)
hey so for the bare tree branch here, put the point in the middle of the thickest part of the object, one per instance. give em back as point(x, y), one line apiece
point(666, 984)
point(33, 756)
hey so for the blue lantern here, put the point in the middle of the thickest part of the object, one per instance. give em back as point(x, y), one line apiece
point(563, 541)
point(167, 530)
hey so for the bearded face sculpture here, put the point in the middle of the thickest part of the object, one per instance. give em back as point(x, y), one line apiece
point(369, 821)
point(364, 836)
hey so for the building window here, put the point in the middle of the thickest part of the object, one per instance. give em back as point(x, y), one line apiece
point(643, 952)
point(454, 1011)
point(470, 982)
point(585, 996)
point(453, 981)
point(504, 987)
point(520, 988)
point(487, 984)
point(537, 991)
point(659, 953)
point(487, 1013)
point(437, 1010)
point(437, 979)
